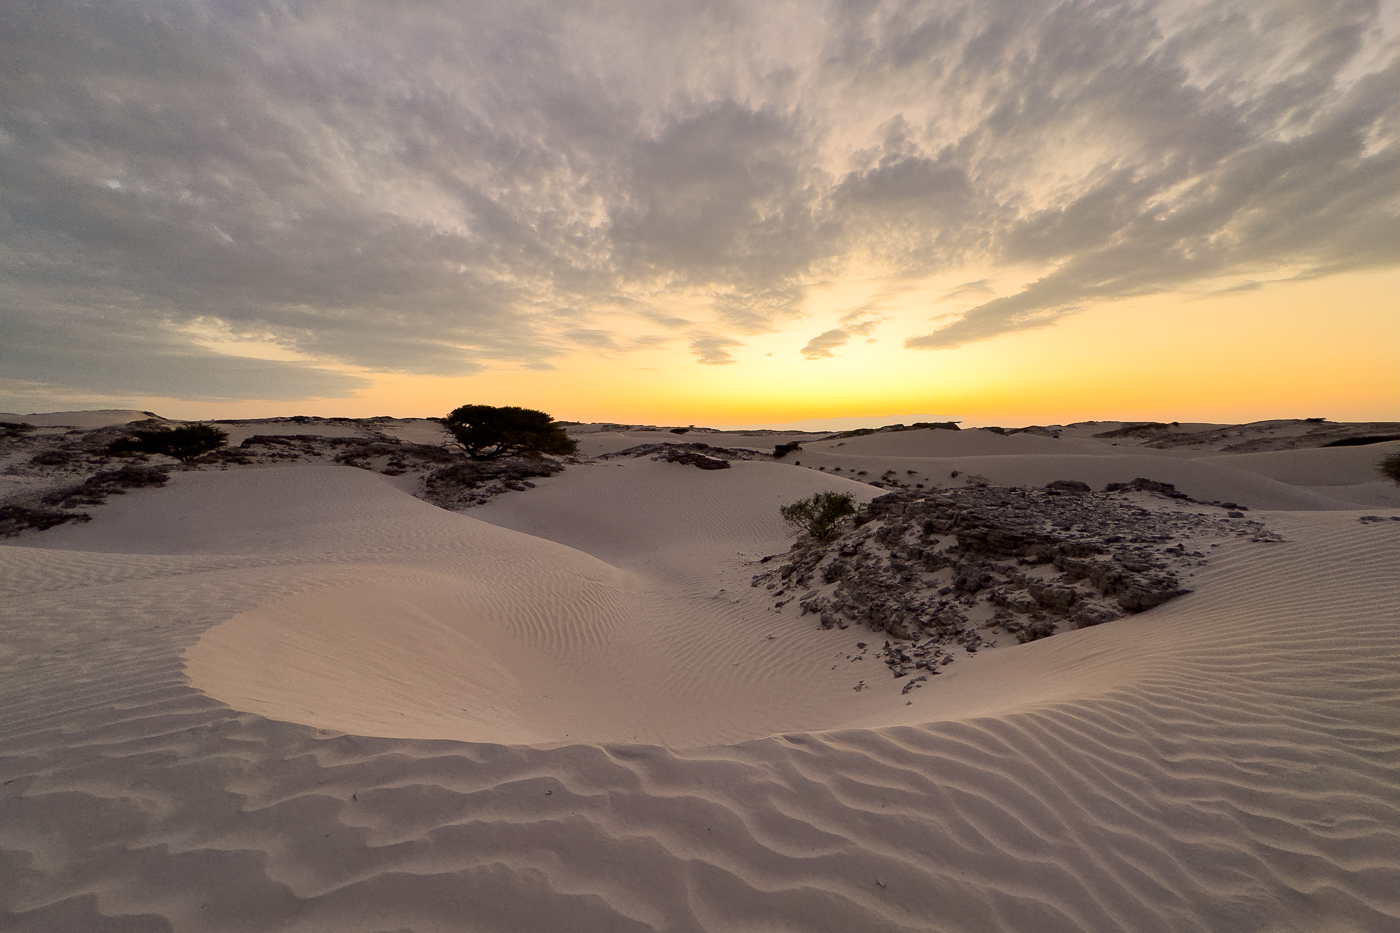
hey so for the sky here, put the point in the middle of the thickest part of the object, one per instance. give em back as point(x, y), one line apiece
point(998, 211)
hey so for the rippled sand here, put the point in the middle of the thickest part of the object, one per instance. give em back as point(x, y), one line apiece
point(300, 699)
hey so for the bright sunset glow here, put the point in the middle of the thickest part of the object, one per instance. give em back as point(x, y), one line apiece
point(678, 213)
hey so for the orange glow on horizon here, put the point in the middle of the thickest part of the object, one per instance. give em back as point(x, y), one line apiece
point(1315, 348)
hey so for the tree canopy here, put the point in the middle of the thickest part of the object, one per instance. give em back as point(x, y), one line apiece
point(486, 432)
point(183, 443)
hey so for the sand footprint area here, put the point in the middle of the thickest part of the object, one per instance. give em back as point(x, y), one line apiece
point(300, 699)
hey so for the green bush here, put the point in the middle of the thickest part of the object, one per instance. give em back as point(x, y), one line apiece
point(486, 432)
point(1390, 468)
point(183, 443)
point(819, 515)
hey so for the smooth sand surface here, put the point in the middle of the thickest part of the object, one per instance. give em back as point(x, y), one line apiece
point(1025, 459)
point(77, 419)
point(299, 699)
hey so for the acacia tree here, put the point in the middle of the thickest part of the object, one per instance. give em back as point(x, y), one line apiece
point(183, 443)
point(486, 432)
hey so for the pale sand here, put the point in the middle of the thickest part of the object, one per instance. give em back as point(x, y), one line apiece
point(264, 699)
point(76, 419)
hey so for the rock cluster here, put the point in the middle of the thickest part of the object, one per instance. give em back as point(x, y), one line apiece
point(1171, 492)
point(941, 569)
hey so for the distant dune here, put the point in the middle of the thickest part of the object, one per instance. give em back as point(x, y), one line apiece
point(282, 691)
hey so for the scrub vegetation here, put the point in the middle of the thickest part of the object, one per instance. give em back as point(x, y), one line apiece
point(820, 514)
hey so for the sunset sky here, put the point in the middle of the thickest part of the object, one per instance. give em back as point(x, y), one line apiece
point(703, 213)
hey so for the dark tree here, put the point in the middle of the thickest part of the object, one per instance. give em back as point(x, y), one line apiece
point(183, 443)
point(486, 432)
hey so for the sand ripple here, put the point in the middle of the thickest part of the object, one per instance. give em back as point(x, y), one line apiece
point(1228, 762)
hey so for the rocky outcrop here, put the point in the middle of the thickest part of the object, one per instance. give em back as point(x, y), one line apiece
point(1148, 485)
point(1069, 486)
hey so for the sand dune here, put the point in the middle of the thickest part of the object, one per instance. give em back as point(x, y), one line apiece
point(77, 419)
point(1277, 480)
point(297, 698)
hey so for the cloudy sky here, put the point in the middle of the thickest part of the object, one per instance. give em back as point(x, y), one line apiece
point(702, 211)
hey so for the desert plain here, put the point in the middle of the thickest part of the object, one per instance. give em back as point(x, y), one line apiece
point(319, 682)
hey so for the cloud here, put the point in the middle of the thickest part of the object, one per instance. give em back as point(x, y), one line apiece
point(979, 287)
point(860, 322)
point(597, 339)
point(435, 189)
point(1241, 287)
point(665, 320)
point(112, 356)
point(712, 350)
point(608, 341)
point(820, 346)
point(1263, 177)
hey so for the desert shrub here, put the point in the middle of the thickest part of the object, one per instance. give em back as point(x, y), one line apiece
point(57, 457)
point(782, 450)
point(680, 430)
point(1389, 467)
point(486, 432)
point(15, 518)
point(183, 443)
point(96, 488)
point(820, 514)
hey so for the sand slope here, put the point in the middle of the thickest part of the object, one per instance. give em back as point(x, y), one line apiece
point(1229, 761)
point(77, 419)
point(1288, 480)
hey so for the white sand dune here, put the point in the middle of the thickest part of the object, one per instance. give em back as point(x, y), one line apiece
point(299, 699)
point(597, 443)
point(77, 419)
point(1287, 480)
